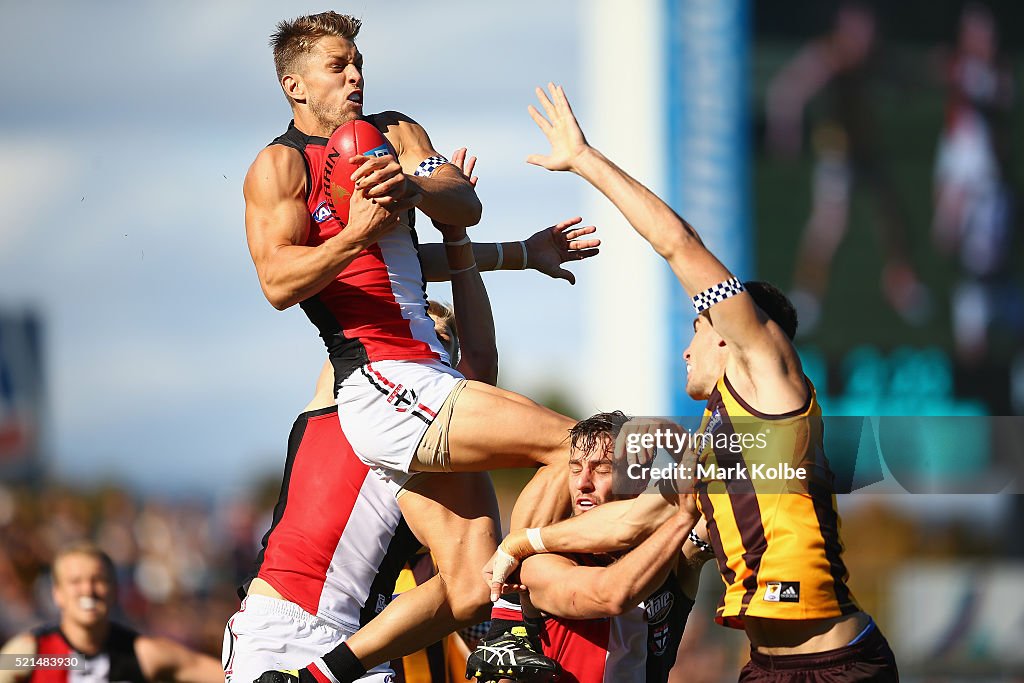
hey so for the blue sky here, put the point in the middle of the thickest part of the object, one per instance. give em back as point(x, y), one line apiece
point(126, 130)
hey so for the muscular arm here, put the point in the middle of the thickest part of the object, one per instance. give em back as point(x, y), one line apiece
point(163, 659)
point(753, 338)
point(448, 196)
point(21, 644)
point(560, 587)
point(276, 225)
point(615, 526)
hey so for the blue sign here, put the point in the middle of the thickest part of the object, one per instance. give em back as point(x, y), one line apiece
point(707, 93)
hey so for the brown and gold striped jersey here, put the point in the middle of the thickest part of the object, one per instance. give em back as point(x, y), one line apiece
point(766, 490)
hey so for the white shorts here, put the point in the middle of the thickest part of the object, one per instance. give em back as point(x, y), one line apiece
point(267, 634)
point(385, 407)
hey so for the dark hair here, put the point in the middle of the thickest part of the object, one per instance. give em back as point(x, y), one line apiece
point(775, 304)
point(586, 434)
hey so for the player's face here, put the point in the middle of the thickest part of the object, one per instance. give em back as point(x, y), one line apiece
point(590, 478)
point(705, 359)
point(82, 589)
point(333, 76)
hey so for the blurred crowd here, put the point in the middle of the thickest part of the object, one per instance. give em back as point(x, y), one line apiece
point(178, 561)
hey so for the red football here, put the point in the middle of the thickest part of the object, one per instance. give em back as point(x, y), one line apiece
point(350, 139)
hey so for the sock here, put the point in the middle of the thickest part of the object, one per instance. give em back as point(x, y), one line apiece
point(506, 614)
point(339, 665)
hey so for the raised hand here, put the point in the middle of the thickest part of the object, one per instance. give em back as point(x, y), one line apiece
point(561, 129)
point(548, 249)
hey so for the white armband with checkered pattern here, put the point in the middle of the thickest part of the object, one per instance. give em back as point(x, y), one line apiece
point(429, 165)
point(720, 292)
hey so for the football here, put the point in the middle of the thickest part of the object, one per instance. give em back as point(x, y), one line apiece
point(350, 139)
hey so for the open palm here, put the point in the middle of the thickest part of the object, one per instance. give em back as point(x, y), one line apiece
point(560, 128)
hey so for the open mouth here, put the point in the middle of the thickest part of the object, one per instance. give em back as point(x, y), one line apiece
point(584, 503)
point(356, 97)
point(87, 603)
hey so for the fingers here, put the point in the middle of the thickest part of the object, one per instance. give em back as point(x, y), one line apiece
point(583, 254)
point(549, 108)
point(561, 101)
point(579, 232)
point(542, 122)
point(458, 157)
point(538, 160)
point(468, 170)
point(567, 224)
point(388, 187)
point(502, 564)
point(368, 165)
point(564, 274)
point(381, 176)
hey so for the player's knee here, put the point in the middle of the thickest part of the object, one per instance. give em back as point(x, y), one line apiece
point(469, 599)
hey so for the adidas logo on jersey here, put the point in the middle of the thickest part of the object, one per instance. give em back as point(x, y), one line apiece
point(782, 591)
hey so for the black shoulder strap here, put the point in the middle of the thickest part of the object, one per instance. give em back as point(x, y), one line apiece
point(124, 663)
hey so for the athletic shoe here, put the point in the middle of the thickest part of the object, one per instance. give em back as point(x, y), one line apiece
point(510, 655)
point(278, 677)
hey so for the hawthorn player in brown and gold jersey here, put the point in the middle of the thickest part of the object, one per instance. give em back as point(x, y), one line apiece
point(760, 479)
point(776, 539)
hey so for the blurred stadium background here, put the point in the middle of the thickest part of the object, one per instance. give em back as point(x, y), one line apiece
point(146, 389)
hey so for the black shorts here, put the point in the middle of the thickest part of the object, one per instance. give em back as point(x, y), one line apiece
point(871, 659)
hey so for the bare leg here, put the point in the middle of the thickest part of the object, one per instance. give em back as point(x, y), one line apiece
point(495, 428)
point(454, 515)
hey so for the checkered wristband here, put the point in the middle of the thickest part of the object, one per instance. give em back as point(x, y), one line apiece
point(701, 544)
point(713, 295)
point(429, 165)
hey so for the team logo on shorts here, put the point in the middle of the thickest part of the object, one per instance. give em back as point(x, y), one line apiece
point(381, 151)
point(782, 591)
point(322, 213)
point(402, 399)
point(658, 642)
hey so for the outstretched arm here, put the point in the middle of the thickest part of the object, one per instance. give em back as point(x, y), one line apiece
point(546, 251)
point(737, 319)
point(162, 659)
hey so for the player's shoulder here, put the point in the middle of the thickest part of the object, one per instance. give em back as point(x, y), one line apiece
point(276, 169)
point(389, 118)
point(405, 135)
point(24, 643)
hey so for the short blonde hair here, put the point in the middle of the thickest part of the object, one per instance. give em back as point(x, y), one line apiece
point(87, 548)
point(295, 38)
